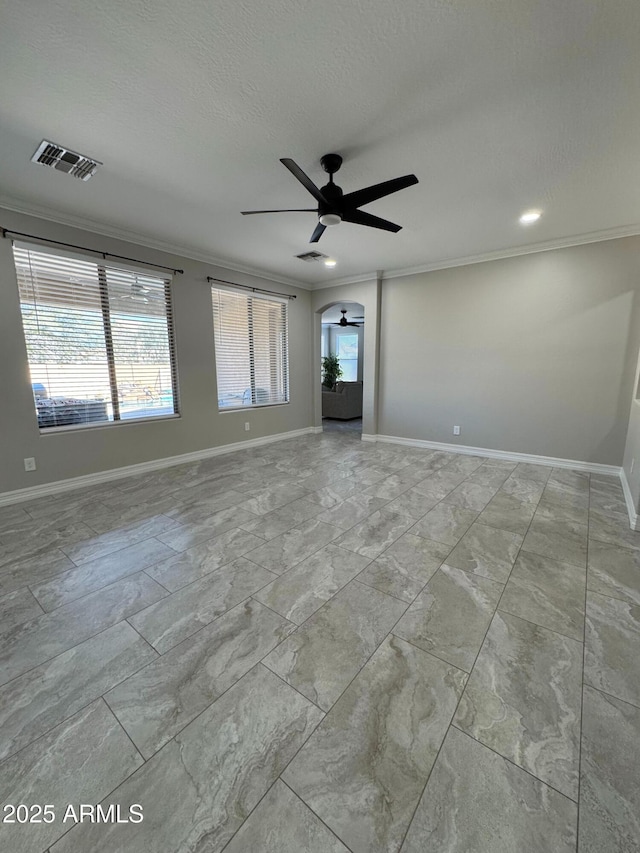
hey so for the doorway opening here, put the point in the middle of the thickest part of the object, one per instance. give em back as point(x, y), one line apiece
point(342, 359)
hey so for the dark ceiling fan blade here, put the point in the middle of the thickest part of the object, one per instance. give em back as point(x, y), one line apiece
point(359, 217)
point(317, 232)
point(304, 179)
point(369, 194)
point(286, 210)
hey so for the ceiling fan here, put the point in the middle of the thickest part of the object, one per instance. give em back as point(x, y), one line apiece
point(343, 320)
point(333, 206)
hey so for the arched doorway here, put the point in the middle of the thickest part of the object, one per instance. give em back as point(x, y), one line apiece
point(368, 294)
point(342, 357)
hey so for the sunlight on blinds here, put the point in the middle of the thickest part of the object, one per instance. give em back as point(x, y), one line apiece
point(99, 340)
point(250, 335)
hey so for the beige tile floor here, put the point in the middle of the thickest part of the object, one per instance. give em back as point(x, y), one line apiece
point(324, 645)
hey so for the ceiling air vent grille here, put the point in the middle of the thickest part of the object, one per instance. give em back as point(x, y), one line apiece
point(65, 160)
point(312, 256)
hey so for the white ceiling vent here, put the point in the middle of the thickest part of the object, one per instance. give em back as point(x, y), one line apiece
point(64, 160)
point(312, 256)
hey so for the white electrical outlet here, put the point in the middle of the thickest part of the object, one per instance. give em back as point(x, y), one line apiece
point(456, 430)
point(247, 426)
point(30, 464)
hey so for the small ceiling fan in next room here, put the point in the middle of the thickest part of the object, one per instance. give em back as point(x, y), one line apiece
point(343, 320)
point(333, 206)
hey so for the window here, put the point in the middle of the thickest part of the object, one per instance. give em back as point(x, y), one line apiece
point(99, 339)
point(347, 352)
point(252, 360)
point(324, 342)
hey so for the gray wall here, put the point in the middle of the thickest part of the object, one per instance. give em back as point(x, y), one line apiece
point(632, 455)
point(631, 462)
point(85, 451)
point(533, 354)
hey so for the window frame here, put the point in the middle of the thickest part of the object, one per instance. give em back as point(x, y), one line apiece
point(339, 335)
point(107, 312)
point(250, 297)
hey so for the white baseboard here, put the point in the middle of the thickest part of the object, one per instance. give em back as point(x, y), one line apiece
point(32, 492)
point(316, 430)
point(368, 437)
point(552, 461)
point(631, 509)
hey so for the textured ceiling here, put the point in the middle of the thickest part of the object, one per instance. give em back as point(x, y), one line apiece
point(496, 107)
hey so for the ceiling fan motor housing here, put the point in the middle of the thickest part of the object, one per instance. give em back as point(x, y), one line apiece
point(331, 163)
point(343, 320)
point(333, 195)
point(331, 212)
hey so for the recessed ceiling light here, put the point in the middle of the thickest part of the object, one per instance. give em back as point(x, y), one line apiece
point(530, 216)
point(330, 262)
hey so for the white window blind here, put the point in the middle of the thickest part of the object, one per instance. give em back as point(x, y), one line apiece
point(252, 360)
point(99, 339)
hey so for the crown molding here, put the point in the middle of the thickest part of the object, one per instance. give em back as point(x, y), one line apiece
point(93, 227)
point(498, 255)
point(516, 251)
point(353, 279)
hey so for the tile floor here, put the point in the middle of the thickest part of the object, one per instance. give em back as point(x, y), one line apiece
point(322, 645)
point(335, 425)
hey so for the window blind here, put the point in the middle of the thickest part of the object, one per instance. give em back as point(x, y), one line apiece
point(251, 346)
point(100, 339)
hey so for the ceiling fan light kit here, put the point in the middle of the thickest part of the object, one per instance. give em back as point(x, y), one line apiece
point(328, 219)
point(333, 206)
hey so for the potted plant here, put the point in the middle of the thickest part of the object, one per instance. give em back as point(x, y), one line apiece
point(331, 371)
